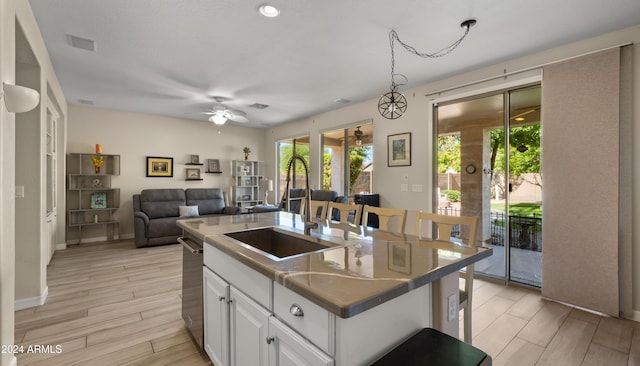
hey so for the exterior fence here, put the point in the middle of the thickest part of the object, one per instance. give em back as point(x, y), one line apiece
point(525, 232)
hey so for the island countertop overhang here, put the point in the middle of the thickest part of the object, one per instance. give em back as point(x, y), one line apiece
point(366, 268)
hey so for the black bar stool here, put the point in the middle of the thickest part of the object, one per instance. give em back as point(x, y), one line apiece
point(430, 347)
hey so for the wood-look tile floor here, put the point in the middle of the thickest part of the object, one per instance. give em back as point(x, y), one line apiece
point(114, 304)
point(516, 326)
point(110, 304)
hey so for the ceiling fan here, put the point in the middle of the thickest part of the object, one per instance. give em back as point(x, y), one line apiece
point(220, 113)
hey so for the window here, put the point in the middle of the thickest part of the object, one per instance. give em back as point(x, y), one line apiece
point(347, 160)
point(286, 149)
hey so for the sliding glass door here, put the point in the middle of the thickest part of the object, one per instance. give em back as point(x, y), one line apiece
point(347, 160)
point(483, 171)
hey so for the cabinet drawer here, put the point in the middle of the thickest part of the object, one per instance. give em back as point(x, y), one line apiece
point(252, 283)
point(315, 323)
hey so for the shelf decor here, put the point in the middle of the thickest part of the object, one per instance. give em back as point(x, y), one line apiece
point(99, 200)
point(213, 166)
point(193, 174)
point(159, 167)
point(246, 152)
point(97, 161)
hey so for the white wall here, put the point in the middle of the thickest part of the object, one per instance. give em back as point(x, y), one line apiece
point(10, 11)
point(134, 136)
point(418, 121)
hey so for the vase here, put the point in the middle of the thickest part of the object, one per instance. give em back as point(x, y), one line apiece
point(246, 156)
point(97, 169)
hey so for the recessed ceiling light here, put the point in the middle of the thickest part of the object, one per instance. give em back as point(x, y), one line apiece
point(268, 10)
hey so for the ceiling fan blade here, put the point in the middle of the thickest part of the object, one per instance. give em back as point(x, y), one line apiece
point(236, 112)
point(236, 118)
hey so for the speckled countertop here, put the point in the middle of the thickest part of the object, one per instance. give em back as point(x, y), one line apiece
point(364, 268)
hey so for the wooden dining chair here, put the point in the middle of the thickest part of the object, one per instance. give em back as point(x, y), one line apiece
point(445, 225)
point(318, 209)
point(345, 209)
point(384, 216)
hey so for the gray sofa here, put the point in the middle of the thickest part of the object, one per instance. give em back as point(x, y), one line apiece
point(155, 212)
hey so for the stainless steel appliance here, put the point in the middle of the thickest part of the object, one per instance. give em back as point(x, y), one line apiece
point(192, 311)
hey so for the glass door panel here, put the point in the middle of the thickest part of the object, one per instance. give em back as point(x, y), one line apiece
point(348, 160)
point(525, 187)
point(473, 178)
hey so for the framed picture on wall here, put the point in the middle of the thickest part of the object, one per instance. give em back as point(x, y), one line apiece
point(213, 165)
point(399, 149)
point(159, 167)
point(193, 174)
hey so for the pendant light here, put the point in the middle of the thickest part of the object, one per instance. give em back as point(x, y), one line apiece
point(393, 104)
point(358, 136)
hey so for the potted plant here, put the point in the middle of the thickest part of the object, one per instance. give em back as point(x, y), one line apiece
point(246, 151)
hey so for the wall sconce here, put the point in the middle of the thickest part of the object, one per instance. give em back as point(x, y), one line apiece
point(19, 99)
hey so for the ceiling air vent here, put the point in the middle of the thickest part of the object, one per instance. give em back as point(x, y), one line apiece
point(83, 43)
point(85, 101)
point(259, 106)
point(342, 101)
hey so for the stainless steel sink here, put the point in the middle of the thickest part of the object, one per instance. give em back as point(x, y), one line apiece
point(279, 244)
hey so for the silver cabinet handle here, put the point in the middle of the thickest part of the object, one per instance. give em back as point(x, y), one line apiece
point(190, 245)
point(296, 310)
point(221, 298)
point(270, 339)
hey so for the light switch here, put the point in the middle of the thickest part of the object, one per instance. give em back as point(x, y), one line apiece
point(404, 187)
point(19, 191)
point(416, 187)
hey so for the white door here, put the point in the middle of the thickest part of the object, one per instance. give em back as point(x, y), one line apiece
point(51, 158)
point(290, 349)
point(216, 318)
point(249, 326)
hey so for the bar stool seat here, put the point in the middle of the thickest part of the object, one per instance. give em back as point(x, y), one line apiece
point(430, 347)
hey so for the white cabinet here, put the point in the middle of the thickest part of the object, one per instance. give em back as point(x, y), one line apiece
point(249, 331)
point(216, 318)
point(291, 349)
point(245, 191)
point(236, 327)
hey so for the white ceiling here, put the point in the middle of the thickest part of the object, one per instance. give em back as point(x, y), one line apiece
point(168, 57)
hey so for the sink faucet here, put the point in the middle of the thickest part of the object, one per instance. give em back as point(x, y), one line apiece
point(308, 224)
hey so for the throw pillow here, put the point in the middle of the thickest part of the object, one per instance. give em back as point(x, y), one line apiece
point(186, 211)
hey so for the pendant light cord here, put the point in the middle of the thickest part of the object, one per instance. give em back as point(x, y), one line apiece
point(393, 37)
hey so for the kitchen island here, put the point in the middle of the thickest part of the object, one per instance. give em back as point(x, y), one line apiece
point(344, 304)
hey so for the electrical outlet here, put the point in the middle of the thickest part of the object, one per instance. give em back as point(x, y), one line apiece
point(453, 306)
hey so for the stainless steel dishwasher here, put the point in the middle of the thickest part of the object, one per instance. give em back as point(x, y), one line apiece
point(192, 311)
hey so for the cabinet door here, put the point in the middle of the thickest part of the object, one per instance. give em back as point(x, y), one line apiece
point(249, 331)
point(216, 318)
point(288, 348)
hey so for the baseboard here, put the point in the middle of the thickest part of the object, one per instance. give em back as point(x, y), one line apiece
point(635, 316)
point(32, 302)
point(99, 239)
point(61, 246)
point(13, 361)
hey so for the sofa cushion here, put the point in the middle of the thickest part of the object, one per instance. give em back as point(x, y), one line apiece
point(209, 200)
point(164, 227)
point(158, 203)
point(188, 211)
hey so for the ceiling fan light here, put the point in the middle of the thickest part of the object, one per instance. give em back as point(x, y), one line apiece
point(268, 10)
point(218, 119)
